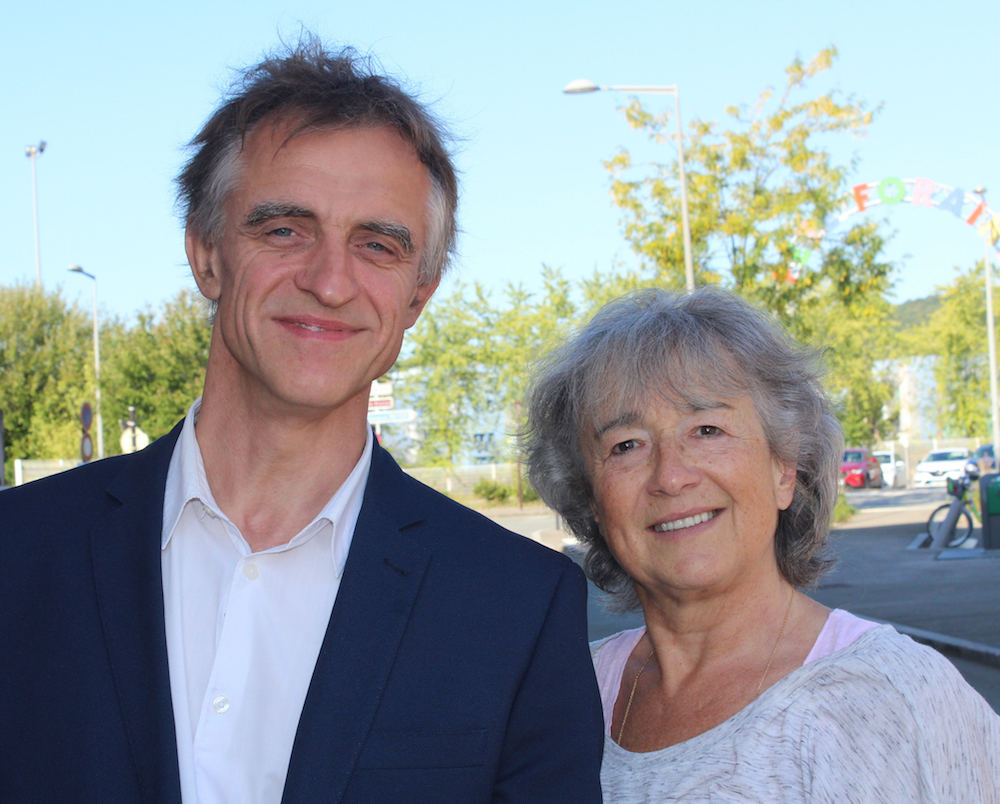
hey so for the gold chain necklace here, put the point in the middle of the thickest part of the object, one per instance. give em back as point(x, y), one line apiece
point(631, 695)
point(774, 650)
point(770, 661)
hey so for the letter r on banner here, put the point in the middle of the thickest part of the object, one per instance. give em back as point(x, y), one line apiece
point(922, 191)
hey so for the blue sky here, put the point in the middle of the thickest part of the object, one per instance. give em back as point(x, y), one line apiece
point(116, 89)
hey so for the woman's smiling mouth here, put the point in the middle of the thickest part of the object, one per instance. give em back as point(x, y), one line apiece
point(686, 522)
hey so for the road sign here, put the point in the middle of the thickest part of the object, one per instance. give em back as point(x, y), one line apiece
point(381, 389)
point(380, 403)
point(392, 416)
point(86, 417)
point(133, 439)
point(86, 447)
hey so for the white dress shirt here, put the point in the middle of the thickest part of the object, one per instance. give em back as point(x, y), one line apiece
point(243, 629)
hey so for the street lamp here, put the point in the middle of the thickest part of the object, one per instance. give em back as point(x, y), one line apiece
point(991, 338)
point(581, 85)
point(76, 269)
point(33, 152)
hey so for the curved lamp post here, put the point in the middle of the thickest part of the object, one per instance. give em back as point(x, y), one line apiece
point(580, 86)
point(76, 269)
point(33, 152)
point(991, 338)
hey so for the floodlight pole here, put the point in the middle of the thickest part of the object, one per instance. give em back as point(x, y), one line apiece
point(99, 422)
point(580, 86)
point(33, 152)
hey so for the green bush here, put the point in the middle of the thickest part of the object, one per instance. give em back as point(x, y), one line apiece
point(843, 510)
point(491, 490)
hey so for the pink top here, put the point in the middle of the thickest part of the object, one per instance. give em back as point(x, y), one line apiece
point(839, 631)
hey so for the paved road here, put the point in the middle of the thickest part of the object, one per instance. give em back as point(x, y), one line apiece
point(877, 577)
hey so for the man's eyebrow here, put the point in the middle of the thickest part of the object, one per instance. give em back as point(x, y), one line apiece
point(269, 210)
point(624, 420)
point(397, 231)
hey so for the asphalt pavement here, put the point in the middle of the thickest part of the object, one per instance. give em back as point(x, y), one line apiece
point(950, 600)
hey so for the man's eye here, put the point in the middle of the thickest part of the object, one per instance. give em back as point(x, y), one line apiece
point(625, 446)
point(708, 430)
point(375, 246)
point(282, 231)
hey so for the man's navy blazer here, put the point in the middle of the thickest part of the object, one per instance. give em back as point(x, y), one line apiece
point(454, 669)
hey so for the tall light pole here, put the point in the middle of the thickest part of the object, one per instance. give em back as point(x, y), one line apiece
point(991, 338)
point(582, 85)
point(76, 269)
point(33, 152)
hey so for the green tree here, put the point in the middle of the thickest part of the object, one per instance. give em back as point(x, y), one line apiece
point(157, 365)
point(956, 335)
point(521, 332)
point(469, 360)
point(762, 189)
point(45, 363)
point(442, 375)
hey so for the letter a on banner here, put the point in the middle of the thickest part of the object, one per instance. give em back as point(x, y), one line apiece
point(953, 203)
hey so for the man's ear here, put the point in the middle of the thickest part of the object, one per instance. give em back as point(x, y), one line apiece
point(421, 296)
point(203, 260)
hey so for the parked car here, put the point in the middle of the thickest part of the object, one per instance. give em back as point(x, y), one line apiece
point(940, 464)
point(982, 460)
point(860, 469)
point(893, 468)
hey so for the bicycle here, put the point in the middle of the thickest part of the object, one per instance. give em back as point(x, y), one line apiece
point(955, 516)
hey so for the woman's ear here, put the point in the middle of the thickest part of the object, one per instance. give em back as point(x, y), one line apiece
point(785, 476)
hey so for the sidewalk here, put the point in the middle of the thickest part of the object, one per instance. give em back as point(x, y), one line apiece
point(877, 577)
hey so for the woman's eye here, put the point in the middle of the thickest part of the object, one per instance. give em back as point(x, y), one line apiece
point(708, 430)
point(625, 446)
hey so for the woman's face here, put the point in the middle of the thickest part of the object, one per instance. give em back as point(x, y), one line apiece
point(687, 499)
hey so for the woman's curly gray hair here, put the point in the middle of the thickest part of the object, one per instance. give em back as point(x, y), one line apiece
point(691, 349)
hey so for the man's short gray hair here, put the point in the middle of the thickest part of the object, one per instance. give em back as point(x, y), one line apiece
point(317, 90)
point(693, 349)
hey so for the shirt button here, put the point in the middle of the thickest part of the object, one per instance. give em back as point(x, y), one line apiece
point(251, 571)
point(221, 704)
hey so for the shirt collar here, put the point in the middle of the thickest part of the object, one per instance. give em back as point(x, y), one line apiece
point(187, 482)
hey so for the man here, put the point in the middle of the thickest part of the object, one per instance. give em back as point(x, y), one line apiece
point(261, 606)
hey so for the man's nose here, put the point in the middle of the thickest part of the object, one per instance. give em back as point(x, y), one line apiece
point(330, 274)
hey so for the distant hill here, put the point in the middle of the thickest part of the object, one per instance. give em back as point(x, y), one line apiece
point(914, 312)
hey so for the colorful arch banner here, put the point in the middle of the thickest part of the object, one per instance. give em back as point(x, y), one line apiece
point(921, 192)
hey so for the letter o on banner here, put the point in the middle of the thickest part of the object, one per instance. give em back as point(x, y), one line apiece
point(891, 190)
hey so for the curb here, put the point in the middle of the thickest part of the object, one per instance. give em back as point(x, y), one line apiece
point(976, 651)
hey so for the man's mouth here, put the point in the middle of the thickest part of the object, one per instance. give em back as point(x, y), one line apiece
point(687, 522)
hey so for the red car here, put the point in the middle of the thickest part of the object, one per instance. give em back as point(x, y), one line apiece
point(860, 469)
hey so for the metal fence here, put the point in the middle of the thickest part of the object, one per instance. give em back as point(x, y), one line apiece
point(460, 480)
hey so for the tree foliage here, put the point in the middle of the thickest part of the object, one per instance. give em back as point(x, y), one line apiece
point(956, 334)
point(762, 189)
point(47, 370)
point(156, 365)
point(44, 357)
point(469, 360)
point(442, 374)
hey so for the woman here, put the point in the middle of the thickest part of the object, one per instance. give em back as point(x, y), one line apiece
point(688, 444)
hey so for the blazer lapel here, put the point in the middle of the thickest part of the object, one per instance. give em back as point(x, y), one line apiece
point(381, 580)
point(125, 546)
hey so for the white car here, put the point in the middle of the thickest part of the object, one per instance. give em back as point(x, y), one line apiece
point(940, 464)
point(893, 469)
